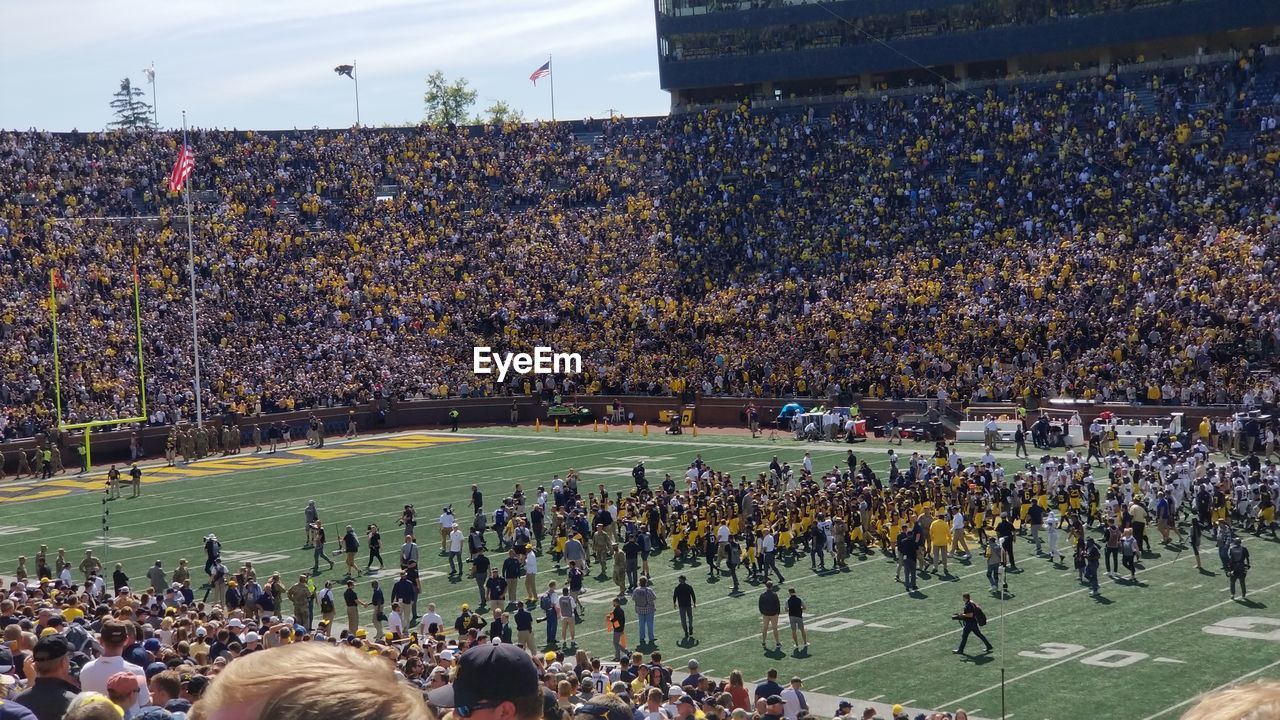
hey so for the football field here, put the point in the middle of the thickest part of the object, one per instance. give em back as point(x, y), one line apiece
point(1142, 650)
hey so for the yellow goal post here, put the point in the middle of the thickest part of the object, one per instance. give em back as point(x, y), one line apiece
point(91, 425)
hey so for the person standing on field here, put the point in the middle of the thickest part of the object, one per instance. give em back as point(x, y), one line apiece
point(375, 547)
point(312, 516)
point(770, 607)
point(135, 480)
point(351, 546)
point(1238, 567)
point(795, 616)
point(353, 603)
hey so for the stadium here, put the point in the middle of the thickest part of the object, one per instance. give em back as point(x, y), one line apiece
point(498, 389)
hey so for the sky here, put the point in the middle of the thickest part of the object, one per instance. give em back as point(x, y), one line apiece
point(268, 64)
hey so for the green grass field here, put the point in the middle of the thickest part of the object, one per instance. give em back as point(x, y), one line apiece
point(1140, 651)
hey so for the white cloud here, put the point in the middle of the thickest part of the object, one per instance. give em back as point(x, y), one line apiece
point(268, 63)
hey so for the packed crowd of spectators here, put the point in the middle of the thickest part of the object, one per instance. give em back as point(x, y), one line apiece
point(1093, 239)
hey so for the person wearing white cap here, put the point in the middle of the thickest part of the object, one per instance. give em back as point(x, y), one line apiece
point(252, 642)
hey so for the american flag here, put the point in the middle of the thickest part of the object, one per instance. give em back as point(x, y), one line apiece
point(541, 72)
point(182, 168)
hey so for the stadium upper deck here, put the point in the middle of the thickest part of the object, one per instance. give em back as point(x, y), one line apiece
point(727, 50)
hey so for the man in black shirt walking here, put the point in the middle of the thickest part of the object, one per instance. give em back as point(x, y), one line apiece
point(480, 571)
point(971, 618)
point(685, 600)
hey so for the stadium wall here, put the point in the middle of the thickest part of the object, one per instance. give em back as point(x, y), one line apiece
point(379, 416)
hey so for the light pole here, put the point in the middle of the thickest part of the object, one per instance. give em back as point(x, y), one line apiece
point(1004, 647)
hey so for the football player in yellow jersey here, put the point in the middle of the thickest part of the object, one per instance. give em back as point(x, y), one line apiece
point(1266, 512)
point(1073, 497)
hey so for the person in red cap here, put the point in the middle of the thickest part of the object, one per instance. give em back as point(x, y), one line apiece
point(123, 689)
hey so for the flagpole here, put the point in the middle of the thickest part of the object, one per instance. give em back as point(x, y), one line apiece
point(191, 269)
point(57, 366)
point(355, 75)
point(155, 111)
point(553, 87)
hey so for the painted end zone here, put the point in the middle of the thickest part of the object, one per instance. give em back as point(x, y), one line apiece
point(96, 481)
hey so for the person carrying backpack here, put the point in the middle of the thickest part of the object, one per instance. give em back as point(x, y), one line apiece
point(549, 605)
point(972, 618)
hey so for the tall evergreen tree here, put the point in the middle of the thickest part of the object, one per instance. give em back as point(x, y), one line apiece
point(132, 112)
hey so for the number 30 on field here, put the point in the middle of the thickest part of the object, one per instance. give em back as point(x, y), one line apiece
point(1105, 659)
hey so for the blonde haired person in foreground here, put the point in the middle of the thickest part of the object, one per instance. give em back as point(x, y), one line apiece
point(93, 706)
point(1255, 701)
point(309, 681)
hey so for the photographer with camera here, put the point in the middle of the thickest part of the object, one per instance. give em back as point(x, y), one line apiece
point(409, 519)
point(972, 618)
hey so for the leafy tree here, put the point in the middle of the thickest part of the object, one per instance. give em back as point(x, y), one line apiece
point(500, 113)
point(447, 102)
point(132, 112)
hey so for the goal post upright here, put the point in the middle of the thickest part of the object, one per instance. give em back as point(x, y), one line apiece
point(90, 425)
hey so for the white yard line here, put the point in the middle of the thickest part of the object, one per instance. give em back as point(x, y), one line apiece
point(1082, 653)
point(1223, 686)
point(957, 630)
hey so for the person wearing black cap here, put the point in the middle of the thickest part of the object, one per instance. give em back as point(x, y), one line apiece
point(492, 682)
point(54, 689)
point(775, 709)
point(604, 707)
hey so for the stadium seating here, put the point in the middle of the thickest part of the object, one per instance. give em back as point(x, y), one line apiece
point(1113, 238)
